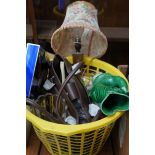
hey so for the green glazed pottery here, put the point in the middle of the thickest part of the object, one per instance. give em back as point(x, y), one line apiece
point(110, 93)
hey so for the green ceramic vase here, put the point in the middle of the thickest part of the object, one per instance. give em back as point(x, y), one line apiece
point(110, 93)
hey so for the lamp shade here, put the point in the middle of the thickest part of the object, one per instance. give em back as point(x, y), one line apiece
point(80, 21)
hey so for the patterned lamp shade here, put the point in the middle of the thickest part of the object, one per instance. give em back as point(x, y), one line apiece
point(80, 21)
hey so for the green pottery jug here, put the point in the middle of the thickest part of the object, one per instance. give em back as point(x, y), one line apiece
point(110, 93)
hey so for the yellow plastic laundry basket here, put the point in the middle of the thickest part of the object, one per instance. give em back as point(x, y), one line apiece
point(82, 139)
